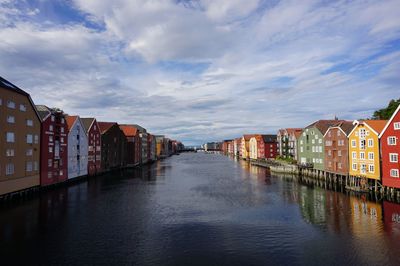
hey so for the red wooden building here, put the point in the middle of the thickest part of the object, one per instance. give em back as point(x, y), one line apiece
point(134, 144)
point(390, 149)
point(94, 145)
point(267, 146)
point(53, 145)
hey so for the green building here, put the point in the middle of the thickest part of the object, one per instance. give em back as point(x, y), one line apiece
point(311, 149)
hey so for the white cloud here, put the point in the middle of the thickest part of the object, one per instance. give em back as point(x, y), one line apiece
point(203, 70)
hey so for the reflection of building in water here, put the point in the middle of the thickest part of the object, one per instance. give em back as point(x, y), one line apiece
point(392, 218)
point(337, 207)
point(312, 202)
point(366, 216)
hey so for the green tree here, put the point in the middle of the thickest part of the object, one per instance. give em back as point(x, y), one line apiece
point(386, 113)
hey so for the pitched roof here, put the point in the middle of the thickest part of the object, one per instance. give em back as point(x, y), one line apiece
point(105, 126)
point(346, 126)
point(9, 86)
point(70, 119)
point(377, 125)
point(323, 125)
point(129, 130)
point(390, 120)
point(293, 130)
point(87, 122)
point(297, 134)
point(269, 138)
point(43, 111)
point(248, 136)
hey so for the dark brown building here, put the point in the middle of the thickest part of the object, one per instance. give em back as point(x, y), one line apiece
point(19, 140)
point(337, 148)
point(113, 146)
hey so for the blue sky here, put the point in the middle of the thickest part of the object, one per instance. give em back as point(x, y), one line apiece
point(204, 70)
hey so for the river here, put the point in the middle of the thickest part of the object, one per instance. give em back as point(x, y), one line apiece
point(198, 209)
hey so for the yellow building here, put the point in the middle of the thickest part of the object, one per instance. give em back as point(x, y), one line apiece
point(253, 148)
point(245, 146)
point(364, 148)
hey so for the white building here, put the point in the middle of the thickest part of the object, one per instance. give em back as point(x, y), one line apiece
point(77, 148)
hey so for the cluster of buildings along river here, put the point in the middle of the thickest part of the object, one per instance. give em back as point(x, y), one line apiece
point(42, 146)
point(363, 155)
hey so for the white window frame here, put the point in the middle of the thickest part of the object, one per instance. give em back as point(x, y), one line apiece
point(354, 166)
point(353, 143)
point(362, 155)
point(394, 173)
point(370, 142)
point(371, 157)
point(11, 119)
point(389, 140)
point(396, 126)
point(10, 152)
point(373, 168)
point(393, 157)
point(354, 155)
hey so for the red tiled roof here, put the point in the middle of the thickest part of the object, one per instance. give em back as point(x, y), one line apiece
point(128, 130)
point(377, 125)
point(293, 130)
point(70, 119)
point(105, 126)
point(297, 134)
point(248, 136)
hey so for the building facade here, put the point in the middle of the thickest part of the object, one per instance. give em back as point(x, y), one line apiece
point(92, 131)
point(19, 140)
point(287, 142)
point(364, 149)
point(311, 148)
point(337, 148)
point(245, 146)
point(133, 155)
point(390, 150)
point(53, 146)
point(113, 146)
point(77, 148)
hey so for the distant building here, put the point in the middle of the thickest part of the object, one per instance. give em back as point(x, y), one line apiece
point(237, 147)
point(310, 144)
point(337, 148)
point(77, 147)
point(93, 134)
point(245, 146)
point(54, 146)
point(263, 147)
point(390, 147)
point(113, 146)
point(134, 150)
point(213, 146)
point(160, 151)
point(287, 142)
point(19, 143)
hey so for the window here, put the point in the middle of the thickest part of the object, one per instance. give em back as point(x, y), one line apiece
point(11, 104)
point(362, 144)
point(313, 160)
point(50, 175)
point(36, 139)
point(340, 165)
point(370, 143)
point(50, 138)
point(10, 137)
point(29, 123)
point(52, 118)
point(396, 126)
point(50, 163)
point(11, 119)
point(393, 157)
point(29, 152)
point(353, 143)
point(10, 152)
point(35, 166)
point(391, 140)
point(313, 149)
point(339, 153)
point(370, 155)
point(329, 152)
point(301, 142)
point(51, 149)
point(362, 155)
point(9, 169)
point(371, 168)
point(62, 140)
point(22, 107)
point(301, 149)
point(363, 168)
point(313, 141)
point(320, 148)
point(29, 167)
point(61, 172)
point(62, 130)
point(62, 120)
point(51, 128)
point(394, 172)
point(29, 139)
point(330, 164)
point(320, 141)
point(362, 132)
point(354, 166)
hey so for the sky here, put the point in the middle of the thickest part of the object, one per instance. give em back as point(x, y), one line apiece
point(204, 70)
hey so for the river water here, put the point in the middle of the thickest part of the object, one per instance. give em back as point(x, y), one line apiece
point(198, 209)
